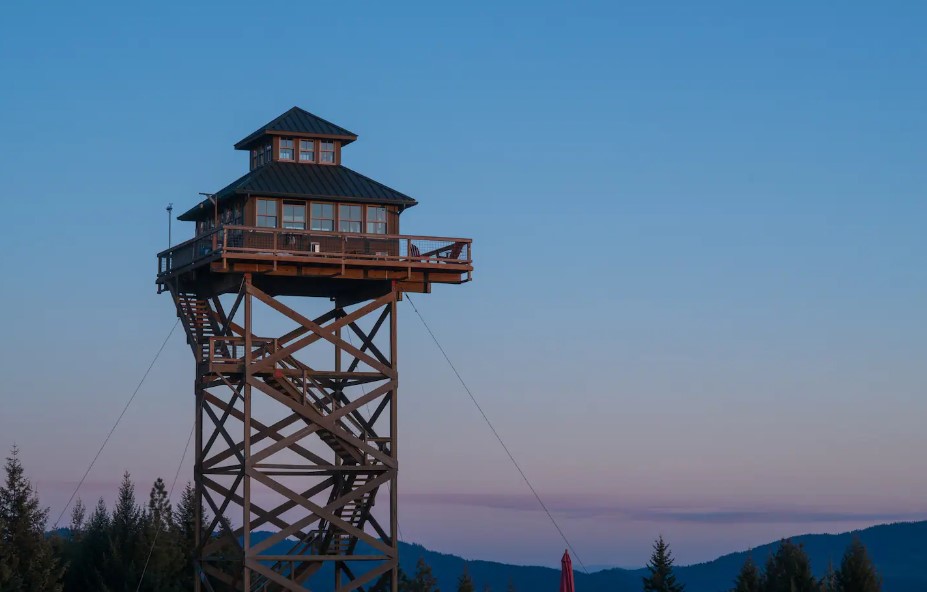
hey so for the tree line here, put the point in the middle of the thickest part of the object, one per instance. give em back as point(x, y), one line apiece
point(788, 569)
point(111, 550)
point(100, 549)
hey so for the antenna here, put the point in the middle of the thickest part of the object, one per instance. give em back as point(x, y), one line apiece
point(169, 208)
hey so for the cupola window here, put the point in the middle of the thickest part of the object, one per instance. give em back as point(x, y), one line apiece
point(349, 218)
point(286, 148)
point(307, 151)
point(376, 220)
point(268, 153)
point(267, 213)
point(323, 217)
point(327, 151)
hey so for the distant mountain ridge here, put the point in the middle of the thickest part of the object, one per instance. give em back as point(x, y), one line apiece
point(898, 550)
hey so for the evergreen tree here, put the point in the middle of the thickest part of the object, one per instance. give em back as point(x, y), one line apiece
point(164, 559)
point(405, 584)
point(857, 573)
point(185, 527)
point(6, 570)
point(828, 583)
point(511, 587)
point(789, 570)
point(78, 519)
point(89, 558)
point(29, 564)
point(748, 580)
point(464, 582)
point(661, 578)
point(126, 557)
point(70, 549)
point(423, 580)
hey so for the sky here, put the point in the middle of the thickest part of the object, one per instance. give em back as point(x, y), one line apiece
point(698, 304)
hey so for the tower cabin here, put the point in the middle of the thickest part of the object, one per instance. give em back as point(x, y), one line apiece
point(299, 214)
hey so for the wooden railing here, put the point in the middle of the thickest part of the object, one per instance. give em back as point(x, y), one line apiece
point(334, 247)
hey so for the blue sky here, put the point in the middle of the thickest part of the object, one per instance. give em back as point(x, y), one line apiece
point(699, 299)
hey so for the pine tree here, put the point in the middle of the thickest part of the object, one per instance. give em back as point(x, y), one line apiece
point(78, 519)
point(6, 570)
point(511, 587)
point(126, 535)
point(423, 580)
point(828, 583)
point(788, 570)
point(661, 578)
point(161, 539)
point(748, 580)
point(70, 549)
point(857, 573)
point(185, 527)
point(464, 582)
point(29, 563)
point(89, 559)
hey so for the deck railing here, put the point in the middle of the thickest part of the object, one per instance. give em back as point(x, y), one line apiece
point(335, 247)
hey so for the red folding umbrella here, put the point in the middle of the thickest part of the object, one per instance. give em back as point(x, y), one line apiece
point(566, 573)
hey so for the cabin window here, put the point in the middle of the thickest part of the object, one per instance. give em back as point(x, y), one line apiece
point(323, 217)
point(286, 149)
point(327, 151)
point(268, 153)
point(376, 220)
point(307, 151)
point(349, 218)
point(294, 215)
point(267, 213)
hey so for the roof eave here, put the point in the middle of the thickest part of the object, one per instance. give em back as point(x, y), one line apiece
point(253, 138)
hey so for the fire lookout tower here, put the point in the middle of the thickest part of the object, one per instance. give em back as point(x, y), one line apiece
point(296, 421)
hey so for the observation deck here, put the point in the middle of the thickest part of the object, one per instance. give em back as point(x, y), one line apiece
point(277, 256)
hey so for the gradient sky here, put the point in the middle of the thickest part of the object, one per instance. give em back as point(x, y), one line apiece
point(699, 232)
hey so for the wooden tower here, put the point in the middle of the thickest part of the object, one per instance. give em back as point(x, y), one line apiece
point(296, 423)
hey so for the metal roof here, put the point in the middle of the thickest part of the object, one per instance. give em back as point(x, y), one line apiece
point(308, 181)
point(299, 121)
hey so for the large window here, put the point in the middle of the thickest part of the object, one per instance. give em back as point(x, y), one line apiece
point(286, 149)
point(327, 151)
point(294, 215)
point(323, 217)
point(376, 220)
point(307, 151)
point(349, 218)
point(267, 213)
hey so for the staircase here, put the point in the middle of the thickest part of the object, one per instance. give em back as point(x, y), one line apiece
point(199, 322)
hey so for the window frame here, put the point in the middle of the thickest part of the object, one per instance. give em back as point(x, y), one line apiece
point(384, 223)
point(292, 149)
point(314, 151)
point(333, 152)
point(359, 221)
point(333, 219)
point(258, 215)
point(292, 203)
